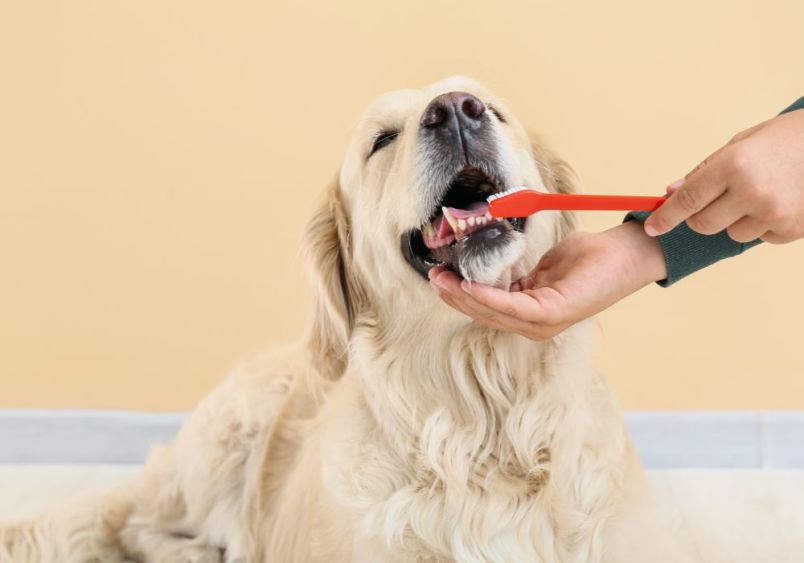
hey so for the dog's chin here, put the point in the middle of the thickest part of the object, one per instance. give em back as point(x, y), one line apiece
point(490, 256)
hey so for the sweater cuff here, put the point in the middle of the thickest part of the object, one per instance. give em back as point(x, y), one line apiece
point(799, 104)
point(686, 251)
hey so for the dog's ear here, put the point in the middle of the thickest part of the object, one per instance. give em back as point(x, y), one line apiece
point(559, 177)
point(336, 294)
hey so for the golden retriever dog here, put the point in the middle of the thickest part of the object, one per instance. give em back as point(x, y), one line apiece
point(399, 430)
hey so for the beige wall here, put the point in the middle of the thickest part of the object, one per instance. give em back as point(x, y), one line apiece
point(157, 160)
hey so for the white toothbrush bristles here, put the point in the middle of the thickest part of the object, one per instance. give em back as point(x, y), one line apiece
point(492, 197)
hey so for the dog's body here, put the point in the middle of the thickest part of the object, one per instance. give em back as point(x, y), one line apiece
point(401, 431)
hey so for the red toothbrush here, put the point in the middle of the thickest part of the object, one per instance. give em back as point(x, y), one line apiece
point(521, 202)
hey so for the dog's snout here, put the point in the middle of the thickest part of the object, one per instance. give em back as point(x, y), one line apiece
point(445, 108)
point(455, 127)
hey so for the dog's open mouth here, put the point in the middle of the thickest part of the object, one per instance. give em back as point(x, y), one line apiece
point(460, 222)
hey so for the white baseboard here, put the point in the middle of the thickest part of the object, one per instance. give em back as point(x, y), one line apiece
point(663, 439)
point(80, 436)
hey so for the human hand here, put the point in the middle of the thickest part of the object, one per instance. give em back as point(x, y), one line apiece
point(753, 187)
point(579, 277)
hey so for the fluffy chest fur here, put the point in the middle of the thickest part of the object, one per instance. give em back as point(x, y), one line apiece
point(476, 451)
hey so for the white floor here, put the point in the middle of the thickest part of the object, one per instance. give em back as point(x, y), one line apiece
point(736, 515)
point(726, 515)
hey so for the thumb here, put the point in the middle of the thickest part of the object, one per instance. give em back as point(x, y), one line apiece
point(700, 188)
point(525, 282)
point(538, 273)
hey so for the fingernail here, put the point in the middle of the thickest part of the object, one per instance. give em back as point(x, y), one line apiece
point(650, 230)
point(466, 286)
point(677, 184)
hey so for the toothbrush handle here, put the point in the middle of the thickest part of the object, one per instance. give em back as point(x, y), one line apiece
point(583, 202)
point(527, 202)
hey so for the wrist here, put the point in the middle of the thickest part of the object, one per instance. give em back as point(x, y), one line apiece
point(644, 258)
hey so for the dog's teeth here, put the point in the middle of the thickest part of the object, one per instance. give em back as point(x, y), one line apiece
point(499, 219)
point(450, 219)
point(427, 230)
point(461, 224)
point(471, 221)
point(488, 215)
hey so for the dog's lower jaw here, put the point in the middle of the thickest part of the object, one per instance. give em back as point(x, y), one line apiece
point(495, 266)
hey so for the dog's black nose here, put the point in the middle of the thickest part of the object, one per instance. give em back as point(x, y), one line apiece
point(461, 105)
point(456, 128)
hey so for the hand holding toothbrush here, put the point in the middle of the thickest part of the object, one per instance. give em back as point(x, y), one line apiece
point(753, 187)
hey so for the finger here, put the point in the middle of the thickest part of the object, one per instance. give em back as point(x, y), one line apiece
point(472, 307)
point(527, 281)
point(445, 278)
point(536, 330)
point(450, 289)
point(495, 319)
point(701, 187)
point(543, 305)
point(465, 304)
point(718, 215)
point(447, 298)
point(445, 284)
point(747, 229)
point(451, 300)
point(435, 271)
point(490, 317)
point(504, 310)
point(673, 188)
point(538, 273)
point(448, 284)
point(789, 232)
point(776, 238)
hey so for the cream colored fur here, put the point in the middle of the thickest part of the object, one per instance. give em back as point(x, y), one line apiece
point(399, 430)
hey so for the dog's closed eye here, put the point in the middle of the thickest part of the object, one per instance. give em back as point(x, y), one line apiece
point(383, 140)
point(497, 113)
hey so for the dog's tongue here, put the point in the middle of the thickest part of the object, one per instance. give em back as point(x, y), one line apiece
point(474, 210)
point(445, 227)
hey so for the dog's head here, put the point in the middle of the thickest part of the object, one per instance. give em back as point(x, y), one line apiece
point(412, 195)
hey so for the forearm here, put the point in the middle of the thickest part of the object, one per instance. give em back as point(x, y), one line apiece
point(646, 262)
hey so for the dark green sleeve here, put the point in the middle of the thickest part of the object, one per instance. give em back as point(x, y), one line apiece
point(798, 105)
point(686, 251)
